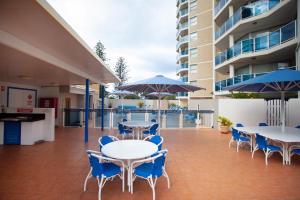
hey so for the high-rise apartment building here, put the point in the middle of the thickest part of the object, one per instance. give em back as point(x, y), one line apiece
point(252, 38)
point(194, 46)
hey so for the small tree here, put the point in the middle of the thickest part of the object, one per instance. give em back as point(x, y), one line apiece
point(100, 51)
point(121, 70)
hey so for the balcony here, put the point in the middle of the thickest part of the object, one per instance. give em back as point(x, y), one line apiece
point(182, 40)
point(184, 79)
point(246, 12)
point(180, 5)
point(182, 54)
point(182, 94)
point(182, 27)
point(183, 13)
point(220, 85)
point(268, 41)
point(220, 5)
point(183, 67)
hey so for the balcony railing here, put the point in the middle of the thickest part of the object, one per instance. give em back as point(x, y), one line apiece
point(183, 53)
point(182, 40)
point(184, 79)
point(172, 118)
point(268, 41)
point(182, 27)
point(183, 12)
point(220, 85)
point(182, 66)
point(220, 5)
point(246, 12)
point(182, 94)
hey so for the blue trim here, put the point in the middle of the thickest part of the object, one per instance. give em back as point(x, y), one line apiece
point(102, 91)
point(7, 94)
point(87, 105)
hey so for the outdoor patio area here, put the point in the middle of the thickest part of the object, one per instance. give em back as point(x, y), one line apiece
point(199, 163)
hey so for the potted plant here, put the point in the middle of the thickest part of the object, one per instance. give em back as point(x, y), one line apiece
point(140, 104)
point(224, 124)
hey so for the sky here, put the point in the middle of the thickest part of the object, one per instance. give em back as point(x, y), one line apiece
point(141, 31)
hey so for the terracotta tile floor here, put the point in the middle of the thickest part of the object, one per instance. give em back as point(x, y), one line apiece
point(200, 166)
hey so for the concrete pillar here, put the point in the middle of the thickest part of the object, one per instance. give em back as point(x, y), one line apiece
point(231, 11)
point(231, 40)
point(250, 69)
point(231, 71)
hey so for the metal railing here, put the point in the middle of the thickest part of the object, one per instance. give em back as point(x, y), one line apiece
point(246, 12)
point(268, 41)
point(176, 118)
point(220, 85)
point(182, 40)
point(182, 53)
point(182, 26)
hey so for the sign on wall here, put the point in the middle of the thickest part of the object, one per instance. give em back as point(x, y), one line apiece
point(21, 97)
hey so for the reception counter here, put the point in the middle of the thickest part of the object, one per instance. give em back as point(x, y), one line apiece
point(24, 128)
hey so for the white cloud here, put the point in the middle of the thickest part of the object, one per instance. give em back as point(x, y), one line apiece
point(142, 31)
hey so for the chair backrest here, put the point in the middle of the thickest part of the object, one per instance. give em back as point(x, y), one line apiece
point(262, 124)
point(153, 129)
point(239, 125)
point(235, 134)
point(105, 139)
point(298, 126)
point(159, 163)
point(96, 165)
point(157, 139)
point(124, 120)
point(261, 142)
point(153, 120)
point(121, 128)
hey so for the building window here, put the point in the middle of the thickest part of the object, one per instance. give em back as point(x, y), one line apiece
point(193, 21)
point(193, 52)
point(193, 36)
point(194, 83)
point(193, 69)
point(193, 5)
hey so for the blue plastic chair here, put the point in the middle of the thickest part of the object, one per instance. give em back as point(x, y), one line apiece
point(150, 169)
point(294, 150)
point(152, 130)
point(263, 124)
point(123, 131)
point(268, 149)
point(239, 139)
point(298, 126)
point(153, 120)
point(124, 120)
point(239, 125)
point(105, 139)
point(103, 168)
point(156, 139)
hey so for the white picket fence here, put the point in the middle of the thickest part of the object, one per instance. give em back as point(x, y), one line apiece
point(274, 112)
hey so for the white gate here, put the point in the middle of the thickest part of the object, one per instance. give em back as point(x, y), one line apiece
point(273, 112)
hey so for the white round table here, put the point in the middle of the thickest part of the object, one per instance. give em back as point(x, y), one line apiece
point(138, 126)
point(128, 150)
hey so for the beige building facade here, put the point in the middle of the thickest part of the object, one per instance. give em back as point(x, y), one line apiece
point(194, 47)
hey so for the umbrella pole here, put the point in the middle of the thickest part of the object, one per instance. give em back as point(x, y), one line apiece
point(159, 121)
point(282, 107)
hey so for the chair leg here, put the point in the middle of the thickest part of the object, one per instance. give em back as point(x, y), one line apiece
point(266, 157)
point(167, 177)
point(237, 146)
point(123, 178)
point(100, 188)
point(253, 151)
point(153, 188)
point(86, 179)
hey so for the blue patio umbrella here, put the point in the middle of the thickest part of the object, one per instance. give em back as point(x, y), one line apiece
point(282, 80)
point(122, 94)
point(159, 84)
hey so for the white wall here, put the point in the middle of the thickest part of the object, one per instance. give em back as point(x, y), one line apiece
point(293, 112)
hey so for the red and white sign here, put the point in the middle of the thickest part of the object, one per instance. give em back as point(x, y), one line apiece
point(24, 110)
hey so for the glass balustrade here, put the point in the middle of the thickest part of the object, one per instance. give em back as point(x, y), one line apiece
point(220, 5)
point(172, 118)
point(259, 43)
point(245, 12)
point(220, 85)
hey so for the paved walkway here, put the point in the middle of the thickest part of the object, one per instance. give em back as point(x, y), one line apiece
point(200, 166)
